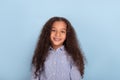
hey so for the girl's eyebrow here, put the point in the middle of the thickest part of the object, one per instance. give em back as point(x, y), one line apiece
point(61, 29)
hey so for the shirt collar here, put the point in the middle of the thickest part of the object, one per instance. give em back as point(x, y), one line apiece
point(60, 48)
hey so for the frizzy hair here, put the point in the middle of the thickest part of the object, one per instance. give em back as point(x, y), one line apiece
point(71, 46)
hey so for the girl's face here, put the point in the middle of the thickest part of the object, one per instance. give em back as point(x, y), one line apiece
point(58, 34)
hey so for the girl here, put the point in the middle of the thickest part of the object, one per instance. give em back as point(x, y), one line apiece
point(57, 55)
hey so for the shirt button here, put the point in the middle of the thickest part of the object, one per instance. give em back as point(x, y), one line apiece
point(54, 74)
point(54, 62)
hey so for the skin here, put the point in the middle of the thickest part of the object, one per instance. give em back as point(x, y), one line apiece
point(58, 34)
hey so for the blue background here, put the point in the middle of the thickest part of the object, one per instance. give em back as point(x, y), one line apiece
point(97, 23)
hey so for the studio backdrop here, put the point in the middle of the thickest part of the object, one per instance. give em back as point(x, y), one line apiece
point(97, 23)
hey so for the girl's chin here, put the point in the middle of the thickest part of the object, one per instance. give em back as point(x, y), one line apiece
point(57, 44)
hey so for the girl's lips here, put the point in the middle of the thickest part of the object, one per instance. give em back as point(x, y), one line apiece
point(56, 39)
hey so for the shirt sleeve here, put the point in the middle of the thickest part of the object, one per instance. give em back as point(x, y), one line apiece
point(74, 73)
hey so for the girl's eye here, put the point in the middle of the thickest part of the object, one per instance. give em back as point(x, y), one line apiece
point(63, 31)
point(53, 30)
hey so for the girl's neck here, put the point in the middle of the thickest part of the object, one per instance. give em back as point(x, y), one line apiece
point(56, 47)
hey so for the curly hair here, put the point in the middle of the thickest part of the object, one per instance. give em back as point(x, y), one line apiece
point(71, 46)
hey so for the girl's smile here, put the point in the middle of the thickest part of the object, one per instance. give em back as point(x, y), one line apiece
point(56, 39)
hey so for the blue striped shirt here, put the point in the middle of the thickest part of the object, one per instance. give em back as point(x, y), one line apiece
point(59, 66)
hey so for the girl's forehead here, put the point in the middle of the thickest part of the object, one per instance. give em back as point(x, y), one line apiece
point(59, 24)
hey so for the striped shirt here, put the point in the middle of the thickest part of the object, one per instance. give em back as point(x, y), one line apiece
point(58, 66)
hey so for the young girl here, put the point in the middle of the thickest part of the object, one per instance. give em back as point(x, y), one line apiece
point(57, 55)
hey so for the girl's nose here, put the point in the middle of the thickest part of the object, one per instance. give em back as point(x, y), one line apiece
point(57, 34)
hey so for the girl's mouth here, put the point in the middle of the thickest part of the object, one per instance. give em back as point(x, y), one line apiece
point(56, 39)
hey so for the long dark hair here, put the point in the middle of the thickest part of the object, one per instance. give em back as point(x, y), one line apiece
point(71, 46)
